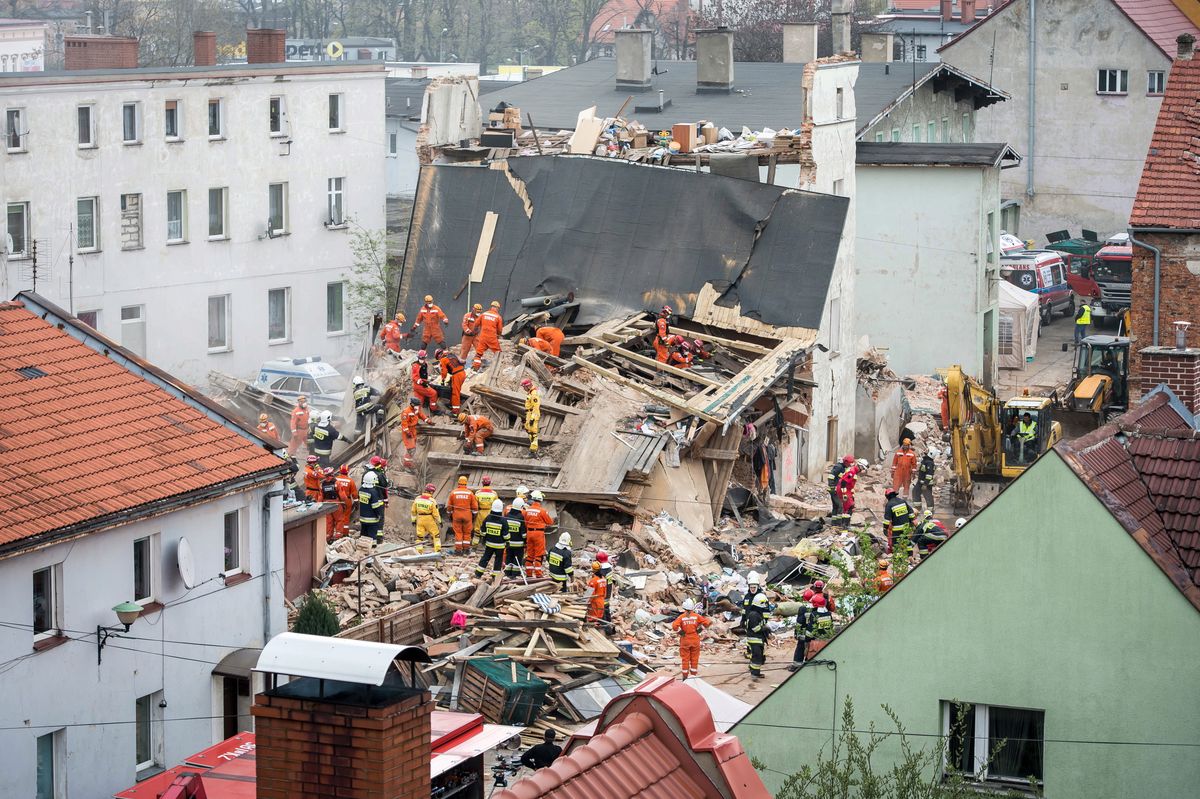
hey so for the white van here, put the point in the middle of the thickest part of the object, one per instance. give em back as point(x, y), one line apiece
point(288, 378)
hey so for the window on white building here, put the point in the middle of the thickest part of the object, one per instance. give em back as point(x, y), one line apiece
point(87, 125)
point(49, 778)
point(336, 109)
point(1112, 81)
point(17, 227)
point(994, 744)
point(176, 217)
point(991, 237)
point(966, 127)
point(144, 571)
point(835, 325)
point(219, 324)
point(172, 129)
point(839, 187)
point(216, 118)
point(233, 543)
point(131, 123)
point(1156, 81)
point(14, 130)
point(946, 130)
point(89, 318)
point(218, 213)
point(87, 224)
point(133, 328)
point(916, 132)
point(840, 103)
point(879, 136)
point(335, 307)
point(392, 140)
point(922, 52)
point(279, 315)
point(47, 614)
point(276, 113)
point(148, 733)
point(895, 134)
point(131, 221)
point(277, 217)
point(931, 132)
point(335, 201)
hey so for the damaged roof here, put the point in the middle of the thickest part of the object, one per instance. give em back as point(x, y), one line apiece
point(1168, 194)
point(881, 88)
point(624, 238)
point(934, 154)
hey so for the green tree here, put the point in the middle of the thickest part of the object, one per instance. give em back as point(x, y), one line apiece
point(317, 616)
point(372, 285)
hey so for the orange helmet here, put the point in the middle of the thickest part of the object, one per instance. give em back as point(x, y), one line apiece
point(428, 298)
point(495, 303)
point(476, 307)
point(462, 481)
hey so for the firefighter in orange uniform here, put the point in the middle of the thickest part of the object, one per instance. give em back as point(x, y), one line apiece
point(538, 344)
point(454, 371)
point(462, 507)
point(470, 329)
point(424, 392)
point(662, 334)
point(299, 425)
point(688, 625)
point(266, 426)
point(430, 318)
point(681, 353)
point(312, 480)
point(476, 431)
point(409, 417)
point(347, 494)
point(598, 587)
point(552, 336)
point(392, 333)
point(491, 324)
point(537, 519)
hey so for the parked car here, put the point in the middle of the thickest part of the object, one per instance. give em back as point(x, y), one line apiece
point(288, 378)
point(1044, 273)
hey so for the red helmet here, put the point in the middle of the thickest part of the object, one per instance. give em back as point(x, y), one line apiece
point(847, 459)
point(818, 600)
point(328, 471)
point(311, 459)
point(344, 469)
point(819, 584)
point(527, 383)
point(487, 481)
point(602, 556)
point(666, 310)
point(383, 461)
point(430, 487)
point(376, 460)
point(698, 344)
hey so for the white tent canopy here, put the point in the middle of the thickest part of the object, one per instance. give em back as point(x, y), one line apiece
point(1019, 324)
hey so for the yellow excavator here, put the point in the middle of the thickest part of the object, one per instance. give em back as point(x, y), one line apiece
point(986, 438)
point(1099, 384)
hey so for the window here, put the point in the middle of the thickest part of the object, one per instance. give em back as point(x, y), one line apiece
point(89, 318)
point(171, 126)
point(148, 734)
point(839, 187)
point(143, 570)
point(277, 209)
point(217, 213)
point(991, 237)
point(1006, 334)
point(335, 307)
point(279, 323)
point(87, 123)
point(335, 113)
point(922, 52)
point(966, 127)
point(233, 543)
point(275, 116)
point(49, 783)
point(14, 130)
point(392, 143)
point(176, 217)
point(18, 230)
point(831, 439)
point(335, 201)
point(87, 237)
point(931, 132)
point(46, 613)
point(835, 325)
point(841, 103)
point(916, 132)
point(946, 130)
point(879, 136)
point(131, 123)
point(219, 324)
point(216, 121)
point(1112, 81)
point(1011, 737)
point(131, 221)
point(895, 134)
point(133, 328)
point(1156, 81)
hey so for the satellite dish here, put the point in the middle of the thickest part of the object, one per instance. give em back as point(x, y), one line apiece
point(186, 563)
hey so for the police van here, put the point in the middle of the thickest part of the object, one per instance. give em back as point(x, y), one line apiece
point(288, 378)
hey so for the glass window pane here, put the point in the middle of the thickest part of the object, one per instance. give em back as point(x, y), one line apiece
point(86, 223)
point(43, 601)
point(1018, 733)
point(172, 118)
point(12, 128)
point(334, 300)
point(144, 720)
point(233, 555)
point(961, 739)
point(275, 215)
point(141, 569)
point(273, 114)
point(216, 212)
point(277, 314)
point(129, 122)
point(335, 111)
point(218, 322)
point(174, 215)
point(17, 226)
point(45, 766)
point(85, 124)
point(214, 117)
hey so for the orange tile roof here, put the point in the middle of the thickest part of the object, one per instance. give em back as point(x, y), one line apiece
point(1169, 192)
point(1160, 20)
point(83, 438)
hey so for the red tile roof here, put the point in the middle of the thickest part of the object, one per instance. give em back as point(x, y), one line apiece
point(657, 741)
point(1169, 192)
point(1145, 467)
point(85, 440)
point(1160, 20)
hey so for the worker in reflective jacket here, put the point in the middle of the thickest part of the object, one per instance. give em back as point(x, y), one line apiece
point(533, 414)
point(553, 336)
point(514, 520)
point(427, 520)
point(662, 334)
point(494, 534)
point(899, 518)
point(430, 318)
point(926, 477)
point(537, 519)
point(486, 496)
point(299, 425)
point(470, 329)
point(597, 589)
point(491, 325)
point(558, 562)
point(347, 494)
point(1027, 430)
point(462, 505)
point(757, 633)
point(312, 480)
point(689, 624)
point(454, 373)
point(363, 402)
point(322, 436)
point(370, 509)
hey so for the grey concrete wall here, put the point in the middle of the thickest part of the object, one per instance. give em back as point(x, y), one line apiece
point(799, 42)
point(924, 107)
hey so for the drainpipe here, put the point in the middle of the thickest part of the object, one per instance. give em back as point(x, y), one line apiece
point(266, 556)
point(1032, 94)
point(1158, 262)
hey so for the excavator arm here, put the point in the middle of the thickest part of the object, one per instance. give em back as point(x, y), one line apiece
point(974, 427)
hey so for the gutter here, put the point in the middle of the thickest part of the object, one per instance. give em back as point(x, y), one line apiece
point(267, 503)
point(1032, 89)
point(1158, 263)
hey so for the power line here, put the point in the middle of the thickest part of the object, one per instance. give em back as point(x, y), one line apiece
point(92, 633)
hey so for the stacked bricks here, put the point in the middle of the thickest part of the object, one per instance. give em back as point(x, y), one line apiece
point(315, 749)
point(1178, 369)
point(204, 48)
point(265, 46)
point(100, 52)
point(1179, 300)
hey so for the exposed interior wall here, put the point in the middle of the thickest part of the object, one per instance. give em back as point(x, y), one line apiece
point(926, 106)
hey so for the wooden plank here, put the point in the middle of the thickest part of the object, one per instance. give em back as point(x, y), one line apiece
point(526, 624)
point(519, 399)
point(485, 462)
point(733, 344)
point(651, 362)
point(708, 453)
point(484, 248)
point(662, 396)
point(452, 431)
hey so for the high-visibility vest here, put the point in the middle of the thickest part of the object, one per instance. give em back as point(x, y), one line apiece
point(1085, 315)
point(1027, 432)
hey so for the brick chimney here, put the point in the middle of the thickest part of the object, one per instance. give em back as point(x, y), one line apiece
point(947, 10)
point(877, 47)
point(841, 13)
point(1178, 367)
point(714, 60)
point(633, 59)
point(799, 42)
point(967, 17)
point(1186, 43)
point(99, 52)
point(265, 46)
point(204, 48)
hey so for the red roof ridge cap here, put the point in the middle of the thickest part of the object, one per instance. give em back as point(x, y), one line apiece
point(8, 305)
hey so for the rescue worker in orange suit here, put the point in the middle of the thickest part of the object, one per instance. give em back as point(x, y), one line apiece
point(424, 392)
point(689, 624)
point(845, 488)
point(312, 480)
point(430, 319)
point(662, 334)
point(347, 494)
point(598, 587)
point(329, 494)
point(409, 417)
point(883, 579)
point(470, 329)
point(426, 519)
point(610, 590)
point(541, 345)
point(392, 333)
point(552, 336)
point(476, 431)
point(537, 519)
point(491, 325)
point(454, 371)
point(266, 426)
point(462, 506)
point(486, 496)
point(904, 466)
point(681, 353)
point(299, 425)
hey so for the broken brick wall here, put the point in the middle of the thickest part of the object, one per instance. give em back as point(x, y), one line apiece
point(1179, 300)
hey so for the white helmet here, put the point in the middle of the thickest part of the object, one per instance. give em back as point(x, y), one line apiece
point(358, 381)
point(959, 523)
point(538, 496)
point(498, 506)
point(752, 578)
point(522, 491)
point(370, 480)
point(862, 463)
point(689, 604)
point(326, 417)
point(518, 504)
point(564, 540)
point(759, 601)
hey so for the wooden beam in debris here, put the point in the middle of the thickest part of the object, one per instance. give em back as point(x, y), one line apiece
point(454, 431)
point(485, 462)
point(733, 344)
point(749, 385)
point(662, 396)
point(651, 362)
point(513, 398)
point(709, 453)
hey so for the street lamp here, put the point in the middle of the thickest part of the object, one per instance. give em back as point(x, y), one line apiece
point(521, 53)
point(127, 614)
point(442, 46)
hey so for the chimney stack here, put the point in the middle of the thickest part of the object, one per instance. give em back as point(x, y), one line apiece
point(967, 17)
point(877, 47)
point(99, 52)
point(1187, 46)
point(633, 59)
point(204, 48)
point(799, 42)
point(841, 12)
point(714, 60)
point(265, 46)
point(947, 10)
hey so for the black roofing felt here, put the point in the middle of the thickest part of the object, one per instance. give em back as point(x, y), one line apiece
point(624, 238)
point(921, 153)
point(405, 96)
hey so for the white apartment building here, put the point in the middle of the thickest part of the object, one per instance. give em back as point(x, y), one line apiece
point(201, 216)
